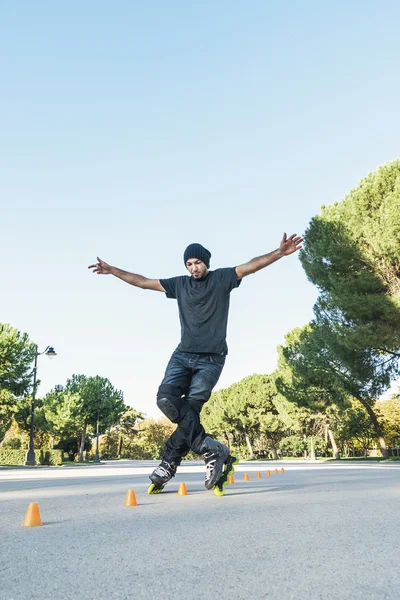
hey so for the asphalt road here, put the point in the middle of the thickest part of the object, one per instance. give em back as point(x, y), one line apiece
point(316, 531)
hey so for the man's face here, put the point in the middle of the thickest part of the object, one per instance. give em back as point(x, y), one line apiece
point(196, 268)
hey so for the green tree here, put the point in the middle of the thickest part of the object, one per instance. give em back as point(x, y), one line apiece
point(249, 410)
point(297, 378)
point(388, 412)
point(7, 409)
point(118, 440)
point(355, 430)
point(16, 357)
point(127, 426)
point(75, 411)
point(321, 362)
point(100, 404)
point(61, 414)
point(352, 254)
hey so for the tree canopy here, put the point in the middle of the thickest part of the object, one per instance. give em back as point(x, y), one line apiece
point(16, 357)
point(352, 254)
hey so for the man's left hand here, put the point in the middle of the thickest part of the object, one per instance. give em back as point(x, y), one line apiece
point(290, 244)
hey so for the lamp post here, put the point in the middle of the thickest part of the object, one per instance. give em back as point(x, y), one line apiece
point(30, 455)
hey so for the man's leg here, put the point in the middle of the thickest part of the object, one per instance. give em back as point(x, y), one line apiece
point(189, 428)
point(171, 401)
point(206, 370)
point(187, 385)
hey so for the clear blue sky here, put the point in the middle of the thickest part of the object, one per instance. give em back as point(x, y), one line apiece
point(131, 129)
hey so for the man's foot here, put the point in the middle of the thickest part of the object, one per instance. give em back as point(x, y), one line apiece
point(229, 469)
point(164, 472)
point(215, 455)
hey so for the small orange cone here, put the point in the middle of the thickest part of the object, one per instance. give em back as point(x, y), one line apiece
point(268, 473)
point(246, 477)
point(258, 475)
point(276, 471)
point(182, 490)
point(32, 516)
point(130, 499)
point(282, 470)
point(231, 479)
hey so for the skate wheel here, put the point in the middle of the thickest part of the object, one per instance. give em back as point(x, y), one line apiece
point(153, 489)
point(218, 491)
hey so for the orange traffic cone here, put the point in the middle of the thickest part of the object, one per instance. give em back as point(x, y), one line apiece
point(246, 477)
point(182, 490)
point(258, 475)
point(282, 470)
point(268, 473)
point(130, 499)
point(32, 516)
point(231, 479)
point(276, 471)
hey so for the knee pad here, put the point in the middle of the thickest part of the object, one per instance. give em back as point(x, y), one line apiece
point(171, 403)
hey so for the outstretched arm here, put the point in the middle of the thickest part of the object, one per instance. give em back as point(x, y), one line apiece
point(103, 268)
point(286, 247)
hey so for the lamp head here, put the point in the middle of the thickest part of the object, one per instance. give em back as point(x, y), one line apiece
point(50, 352)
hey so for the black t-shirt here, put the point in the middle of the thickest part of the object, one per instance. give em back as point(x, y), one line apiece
point(203, 309)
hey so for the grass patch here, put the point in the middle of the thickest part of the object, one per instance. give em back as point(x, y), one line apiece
point(73, 463)
point(365, 459)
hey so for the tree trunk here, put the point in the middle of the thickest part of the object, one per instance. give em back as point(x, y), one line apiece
point(82, 444)
point(228, 442)
point(249, 447)
point(121, 441)
point(312, 451)
point(273, 447)
point(336, 452)
point(377, 427)
point(305, 444)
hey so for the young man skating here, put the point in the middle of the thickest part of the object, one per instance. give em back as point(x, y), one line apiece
point(195, 366)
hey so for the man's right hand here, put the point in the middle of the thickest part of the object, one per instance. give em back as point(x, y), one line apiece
point(101, 267)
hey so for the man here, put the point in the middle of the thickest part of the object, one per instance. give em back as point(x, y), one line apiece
point(196, 364)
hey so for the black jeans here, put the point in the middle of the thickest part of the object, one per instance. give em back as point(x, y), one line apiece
point(196, 375)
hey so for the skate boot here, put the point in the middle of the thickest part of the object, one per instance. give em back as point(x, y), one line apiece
point(215, 454)
point(161, 475)
point(229, 469)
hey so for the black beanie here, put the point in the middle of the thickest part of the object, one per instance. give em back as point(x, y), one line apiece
point(197, 251)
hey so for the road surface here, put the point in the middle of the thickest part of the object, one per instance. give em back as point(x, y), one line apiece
point(315, 532)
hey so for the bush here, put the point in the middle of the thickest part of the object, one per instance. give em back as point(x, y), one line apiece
point(12, 444)
point(320, 446)
point(12, 457)
point(292, 445)
point(49, 457)
point(43, 457)
point(70, 447)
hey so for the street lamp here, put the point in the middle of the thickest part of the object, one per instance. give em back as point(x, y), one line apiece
point(30, 455)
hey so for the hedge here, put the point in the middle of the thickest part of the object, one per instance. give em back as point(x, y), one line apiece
point(43, 457)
